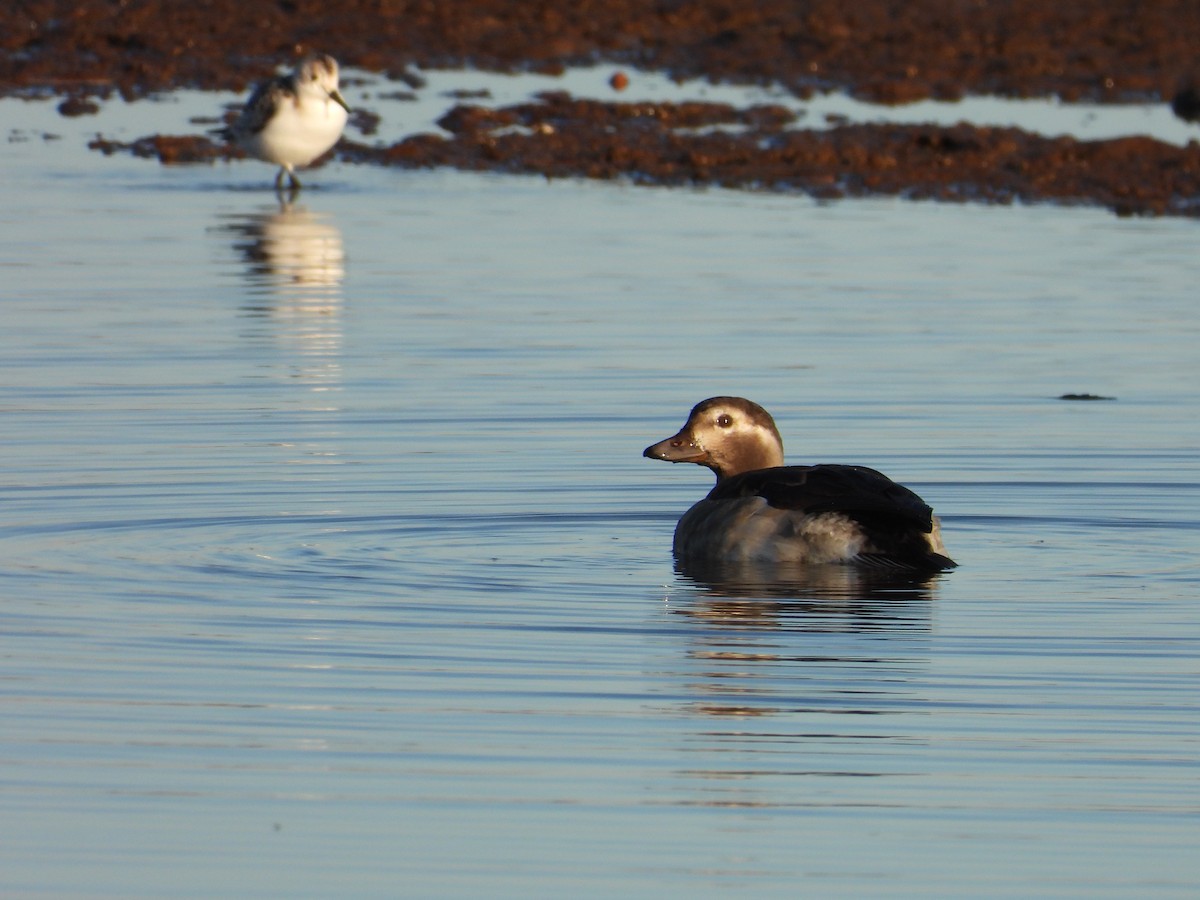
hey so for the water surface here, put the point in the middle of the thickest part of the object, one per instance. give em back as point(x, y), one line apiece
point(331, 563)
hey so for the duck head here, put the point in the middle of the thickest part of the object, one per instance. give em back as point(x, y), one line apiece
point(729, 435)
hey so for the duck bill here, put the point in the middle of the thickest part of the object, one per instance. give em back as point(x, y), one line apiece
point(676, 449)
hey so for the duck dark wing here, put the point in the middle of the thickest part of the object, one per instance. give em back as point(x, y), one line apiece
point(856, 491)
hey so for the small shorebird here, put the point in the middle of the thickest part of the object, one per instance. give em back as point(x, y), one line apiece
point(292, 119)
point(763, 511)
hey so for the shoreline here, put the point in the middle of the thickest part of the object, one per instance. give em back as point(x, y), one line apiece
point(879, 51)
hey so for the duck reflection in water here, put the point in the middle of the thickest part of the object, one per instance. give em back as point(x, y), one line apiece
point(831, 654)
point(790, 596)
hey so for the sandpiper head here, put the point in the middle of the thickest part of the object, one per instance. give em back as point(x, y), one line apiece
point(729, 435)
point(319, 74)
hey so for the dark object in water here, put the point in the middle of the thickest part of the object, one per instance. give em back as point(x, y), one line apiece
point(1084, 397)
point(762, 511)
point(1186, 104)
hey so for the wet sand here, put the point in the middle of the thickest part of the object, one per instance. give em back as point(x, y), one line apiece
point(888, 52)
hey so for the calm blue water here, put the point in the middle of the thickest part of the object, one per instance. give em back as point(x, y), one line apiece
point(331, 566)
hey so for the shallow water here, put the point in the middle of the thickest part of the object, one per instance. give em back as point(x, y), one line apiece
point(332, 565)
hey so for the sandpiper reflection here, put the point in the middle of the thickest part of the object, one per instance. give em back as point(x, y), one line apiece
point(296, 254)
point(295, 266)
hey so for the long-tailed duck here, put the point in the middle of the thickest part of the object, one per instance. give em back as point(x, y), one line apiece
point(763, 511)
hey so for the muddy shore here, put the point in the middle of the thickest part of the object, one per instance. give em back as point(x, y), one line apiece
point(888, 52)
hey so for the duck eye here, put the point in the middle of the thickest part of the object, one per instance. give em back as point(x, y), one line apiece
point(724, 421)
